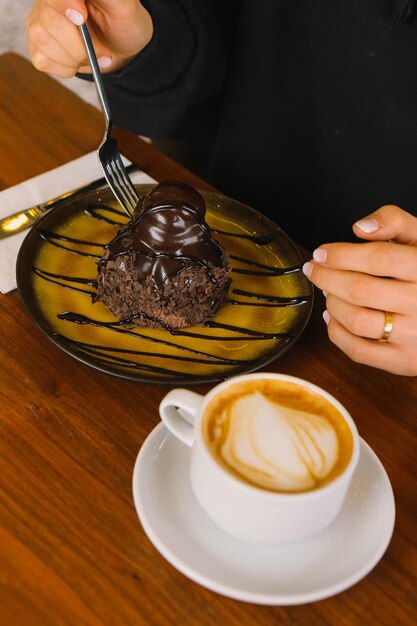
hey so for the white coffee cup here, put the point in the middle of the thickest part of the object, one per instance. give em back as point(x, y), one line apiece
point(244, 510)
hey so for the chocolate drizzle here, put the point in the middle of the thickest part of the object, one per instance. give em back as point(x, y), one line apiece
point(247, 332)
point(268, 270)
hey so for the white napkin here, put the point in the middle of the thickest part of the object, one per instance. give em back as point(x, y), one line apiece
point(41, 188)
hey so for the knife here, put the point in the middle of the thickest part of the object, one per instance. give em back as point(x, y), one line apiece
point(22, 220)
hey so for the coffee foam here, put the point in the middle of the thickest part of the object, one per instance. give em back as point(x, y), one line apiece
point(293, 445)
point(287, 450)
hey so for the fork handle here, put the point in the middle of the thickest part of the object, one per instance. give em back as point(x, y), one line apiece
point(98, 80)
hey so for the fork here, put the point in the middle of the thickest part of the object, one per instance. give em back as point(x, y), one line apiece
point(108, 151)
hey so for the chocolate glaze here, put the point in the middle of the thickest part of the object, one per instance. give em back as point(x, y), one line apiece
point(168, 233)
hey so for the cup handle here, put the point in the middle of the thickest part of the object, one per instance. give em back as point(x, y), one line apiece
point(178, 411)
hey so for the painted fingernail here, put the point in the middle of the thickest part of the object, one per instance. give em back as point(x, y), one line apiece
point(320, 255)
point(74, 16)
point(326, 316)
point(369, 225)
point(104, 62)
point(308, 269)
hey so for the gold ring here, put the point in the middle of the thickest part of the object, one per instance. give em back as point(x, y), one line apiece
point(389, 323)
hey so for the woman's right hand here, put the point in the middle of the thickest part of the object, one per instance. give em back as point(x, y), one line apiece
point(120, 29)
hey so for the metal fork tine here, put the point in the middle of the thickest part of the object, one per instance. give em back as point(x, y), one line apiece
point(118, 189)
point(125, 177)
point(128, 183)
point(123, 188)
point(108, 169)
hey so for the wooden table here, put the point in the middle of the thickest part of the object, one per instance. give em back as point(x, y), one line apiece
point(72, 550)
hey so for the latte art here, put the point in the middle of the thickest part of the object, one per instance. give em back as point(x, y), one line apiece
point(278, 436)
point(286, 449)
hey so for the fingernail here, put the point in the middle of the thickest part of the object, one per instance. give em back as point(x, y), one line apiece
point(325, 294)
point(369, 225)
point(308, 269)
point(74, 16)
point(104, 62)
point(326, 316)
point(320, 255)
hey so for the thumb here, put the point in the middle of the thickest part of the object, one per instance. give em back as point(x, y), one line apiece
point(388, 222)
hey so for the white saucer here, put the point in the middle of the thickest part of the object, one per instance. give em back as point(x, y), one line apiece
point(289, 574)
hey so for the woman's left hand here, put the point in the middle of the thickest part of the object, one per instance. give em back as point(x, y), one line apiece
point(368, 284)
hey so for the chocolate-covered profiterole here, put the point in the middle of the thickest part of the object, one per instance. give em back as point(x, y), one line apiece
point(164, 269)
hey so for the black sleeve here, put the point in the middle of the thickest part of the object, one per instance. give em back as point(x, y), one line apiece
point(178, 74)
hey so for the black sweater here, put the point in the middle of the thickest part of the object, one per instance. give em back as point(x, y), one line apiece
point(307, 108)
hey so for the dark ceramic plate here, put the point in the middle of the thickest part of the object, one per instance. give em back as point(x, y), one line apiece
point(269, 300)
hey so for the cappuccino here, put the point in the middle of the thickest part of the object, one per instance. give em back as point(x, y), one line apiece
point(277, 435)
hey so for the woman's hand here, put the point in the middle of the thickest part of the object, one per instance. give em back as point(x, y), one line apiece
point(363, 281)
point(120, 29)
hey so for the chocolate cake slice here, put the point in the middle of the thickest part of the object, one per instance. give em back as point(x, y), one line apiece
point(164, 269)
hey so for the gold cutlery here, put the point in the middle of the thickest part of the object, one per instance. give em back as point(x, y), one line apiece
point(22, 220)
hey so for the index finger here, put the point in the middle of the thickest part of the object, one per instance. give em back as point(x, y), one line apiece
point(377, 258)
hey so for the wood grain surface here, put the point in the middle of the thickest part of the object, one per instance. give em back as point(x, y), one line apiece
point(72, 550)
